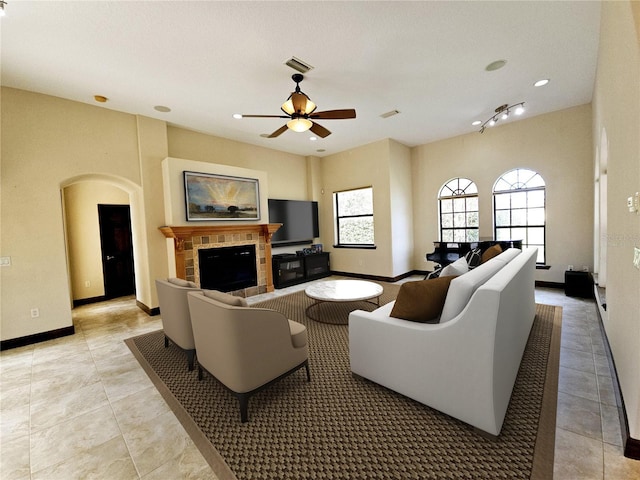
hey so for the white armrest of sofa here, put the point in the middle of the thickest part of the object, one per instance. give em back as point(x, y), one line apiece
point(465, 367)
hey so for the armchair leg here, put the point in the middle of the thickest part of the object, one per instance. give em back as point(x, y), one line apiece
point(244, 407)
point(191, 356)
point(306, 367)
point(199, 372)
point(166, 342)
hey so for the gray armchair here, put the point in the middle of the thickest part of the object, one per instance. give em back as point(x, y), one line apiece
point(174, 311)
point(244, 348)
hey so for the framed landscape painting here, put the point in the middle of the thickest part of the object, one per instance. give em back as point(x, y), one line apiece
point(220, 197)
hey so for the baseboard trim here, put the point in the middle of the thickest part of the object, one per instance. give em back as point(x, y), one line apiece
point(542, 283)
point(36, 338)
point(87, 301)
point(376, 277)
point(149, 311)
point(539, 283)
point(631, 446)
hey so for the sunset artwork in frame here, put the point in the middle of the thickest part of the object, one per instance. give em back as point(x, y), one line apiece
point(220, 197)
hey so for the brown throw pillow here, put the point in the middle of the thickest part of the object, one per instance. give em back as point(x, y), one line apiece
point(491, 252)
point(422, 301)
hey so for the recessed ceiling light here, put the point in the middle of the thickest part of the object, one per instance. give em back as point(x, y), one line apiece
point(320, 150)
point(237, 115)
point(477, 122)
point(161, 108)
point(313, 139)
point(497, 65)
point(100, 98)
point(541, 83)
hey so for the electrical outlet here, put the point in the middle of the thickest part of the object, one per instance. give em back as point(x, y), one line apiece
point(636, 257)
point(87, 283)
point(35, 312)
point(5, 261)
point(633, 203)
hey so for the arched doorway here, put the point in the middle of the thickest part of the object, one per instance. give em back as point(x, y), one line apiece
point(84, 198)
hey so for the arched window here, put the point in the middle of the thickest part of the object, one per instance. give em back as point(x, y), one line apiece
point(458, 201)
point(519, 209)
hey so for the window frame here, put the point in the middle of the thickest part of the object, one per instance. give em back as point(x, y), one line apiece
point(457, 193)
point(521, 187)
point(338, 217)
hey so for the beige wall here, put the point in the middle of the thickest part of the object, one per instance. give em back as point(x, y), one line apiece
point(557, 145)
point(175, 211)
point(400, 208)
point(287, 173)
point(385, 166)
point(289, 176)
point(616, 107)
point(84, 249)
point(50, 144)
point(47, 141)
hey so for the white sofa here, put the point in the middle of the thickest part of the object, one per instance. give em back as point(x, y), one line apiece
point(466, 365)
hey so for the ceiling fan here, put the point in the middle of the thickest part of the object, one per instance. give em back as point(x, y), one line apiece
point(302, 111)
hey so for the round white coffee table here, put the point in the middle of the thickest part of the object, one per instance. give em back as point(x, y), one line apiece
point(342, 291)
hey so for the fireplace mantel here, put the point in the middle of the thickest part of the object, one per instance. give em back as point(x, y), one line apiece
point(186, 237)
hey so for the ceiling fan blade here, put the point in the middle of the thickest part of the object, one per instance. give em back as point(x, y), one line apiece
point(299, 101)
point(335, 114)
point(319, 130)
point(265, 116)
point(280, 131)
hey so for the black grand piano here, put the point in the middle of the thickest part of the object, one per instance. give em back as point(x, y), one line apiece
point(448, 252)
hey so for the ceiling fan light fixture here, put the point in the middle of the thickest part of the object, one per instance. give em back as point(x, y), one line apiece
point(299, 108)
point(287, 107)
point(299, 124)
point(310, 107)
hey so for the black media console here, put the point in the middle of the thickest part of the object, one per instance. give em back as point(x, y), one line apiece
point(290, 269)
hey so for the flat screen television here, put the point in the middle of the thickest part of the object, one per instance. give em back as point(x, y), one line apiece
point(299, 219)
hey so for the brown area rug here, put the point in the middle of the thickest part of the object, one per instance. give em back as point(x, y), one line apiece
point(341, 427)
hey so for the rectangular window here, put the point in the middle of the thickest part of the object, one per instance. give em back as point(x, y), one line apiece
point(354, 218)
point(459, 219)
point(521, 216)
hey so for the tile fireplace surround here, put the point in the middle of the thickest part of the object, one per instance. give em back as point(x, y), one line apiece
point(188, 240)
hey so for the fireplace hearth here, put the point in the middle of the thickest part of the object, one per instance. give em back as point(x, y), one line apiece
point(189, 240)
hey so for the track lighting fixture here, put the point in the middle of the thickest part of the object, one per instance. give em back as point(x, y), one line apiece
point(502, 113)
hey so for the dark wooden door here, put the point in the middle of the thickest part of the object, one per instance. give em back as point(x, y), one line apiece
point(117, 250)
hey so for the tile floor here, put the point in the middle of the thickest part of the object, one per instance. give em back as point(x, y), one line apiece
point(81, 407)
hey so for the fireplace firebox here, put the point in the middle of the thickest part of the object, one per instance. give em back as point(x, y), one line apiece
point(228, 269)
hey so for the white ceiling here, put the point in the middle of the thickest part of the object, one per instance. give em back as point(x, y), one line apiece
point(207, 60)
